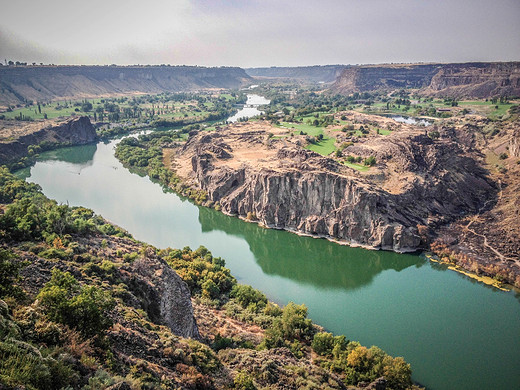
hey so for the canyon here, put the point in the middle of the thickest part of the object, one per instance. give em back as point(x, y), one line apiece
point(46, 83)
point(258, 172)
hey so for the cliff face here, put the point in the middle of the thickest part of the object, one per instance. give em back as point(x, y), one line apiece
point(374, 77)
point(514, 144)
point(16, 137)
point(315, 74)
point(469, 80)
point(18, 84)
point(289, 188)
point(476, 80)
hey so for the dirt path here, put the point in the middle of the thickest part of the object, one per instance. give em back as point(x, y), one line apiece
point(501, 256)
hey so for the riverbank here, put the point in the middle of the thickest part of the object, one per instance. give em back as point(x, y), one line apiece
point(140, 326)
point(348, 290)
point(21, 142)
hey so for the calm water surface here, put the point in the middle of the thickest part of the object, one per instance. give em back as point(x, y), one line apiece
point(410, 120)
point(456, 333)
point(250, 109)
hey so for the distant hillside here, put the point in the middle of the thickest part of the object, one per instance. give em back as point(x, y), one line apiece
point(470, 80)
point(43, 83)
point(325, 73)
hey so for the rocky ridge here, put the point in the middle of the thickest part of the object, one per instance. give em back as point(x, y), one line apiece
point(15, 139)
point(466, 80)
point(44, 83)
point(286, 187)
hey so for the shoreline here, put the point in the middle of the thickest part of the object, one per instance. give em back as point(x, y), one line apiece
point(480, 278)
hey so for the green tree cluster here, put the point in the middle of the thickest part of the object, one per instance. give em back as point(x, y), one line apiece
point(80, 307)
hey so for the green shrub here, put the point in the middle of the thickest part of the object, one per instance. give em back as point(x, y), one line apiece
point(248, 297)
point(9, 275)
point(325, 343)
point(82, 308)
point(243, 381)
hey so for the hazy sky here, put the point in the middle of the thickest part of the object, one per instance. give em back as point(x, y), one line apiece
point(251, 33)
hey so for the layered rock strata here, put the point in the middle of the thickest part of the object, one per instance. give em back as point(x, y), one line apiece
point(467, 80)
point(286, 187)
point(16, 137)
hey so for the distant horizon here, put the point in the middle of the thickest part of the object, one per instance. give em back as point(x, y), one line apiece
point(35, 64)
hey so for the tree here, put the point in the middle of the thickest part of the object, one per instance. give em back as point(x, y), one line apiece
point(86, 107)
point(370, 161)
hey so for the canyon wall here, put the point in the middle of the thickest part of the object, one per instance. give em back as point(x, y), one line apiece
point(16, 138)
point(315, 74)
point(44, 83)
point(298, 190)
point(467, 80)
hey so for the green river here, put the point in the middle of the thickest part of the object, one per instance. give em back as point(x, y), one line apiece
point(457, 333)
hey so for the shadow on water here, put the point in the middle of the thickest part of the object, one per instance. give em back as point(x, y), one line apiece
point(308, 260)
point(82, 156)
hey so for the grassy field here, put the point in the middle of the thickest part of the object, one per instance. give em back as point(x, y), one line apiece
point(175, 110)
point(309, 129)
point(359, 167)
point(324, 147)
point(384, 132)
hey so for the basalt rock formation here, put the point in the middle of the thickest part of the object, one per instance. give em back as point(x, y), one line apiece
point(467, 80)
point(16, 137)
point(43, 83)
point(162, 293)
point(420, 182)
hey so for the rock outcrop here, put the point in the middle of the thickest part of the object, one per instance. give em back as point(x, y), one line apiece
point(162, 293)
point(289, 188)
point(42, 83)
point(467, 80)
point(16, 137)
point(514, 144)
point(153, 286)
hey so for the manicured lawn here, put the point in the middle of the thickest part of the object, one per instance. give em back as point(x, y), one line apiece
point(309, 129)
point(384, 132)
point(324, 147)
point(359, 167)
point(226, 96)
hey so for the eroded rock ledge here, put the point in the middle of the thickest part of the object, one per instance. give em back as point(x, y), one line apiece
point(16, 137)
point(418, 184)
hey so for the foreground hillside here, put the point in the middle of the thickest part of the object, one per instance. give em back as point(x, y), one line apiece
point(46, 83)
point(83, 305)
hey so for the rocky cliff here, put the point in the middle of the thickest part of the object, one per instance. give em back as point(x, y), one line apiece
point(16, 137)
point(44, 83)
point(467, 80)
point(316, 74)
point(286, 187)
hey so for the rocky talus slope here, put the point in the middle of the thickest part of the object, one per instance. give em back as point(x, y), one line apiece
point(15, 138)
point(488, 242)
point(419, 183)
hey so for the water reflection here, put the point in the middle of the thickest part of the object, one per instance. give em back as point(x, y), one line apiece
point(82, 157)
point(307, 260)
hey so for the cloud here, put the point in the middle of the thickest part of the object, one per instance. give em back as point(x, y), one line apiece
point(260, 32)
